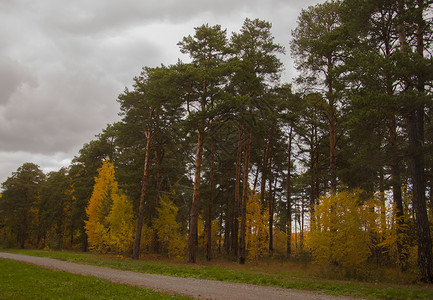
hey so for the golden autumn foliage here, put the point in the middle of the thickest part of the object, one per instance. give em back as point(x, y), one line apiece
point(257, 228)
point(110, 226)
point(391, 234)
point(121, 218)
point(341, 229)
point(280, 242)
point(349, 228)
point(202, 239)
point(147, 235)
point(168, 229)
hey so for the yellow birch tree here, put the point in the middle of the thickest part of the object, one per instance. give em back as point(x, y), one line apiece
point(340, 235)
point(121, 220)
point(256, 223)
point(110, 218)
point(168, 229)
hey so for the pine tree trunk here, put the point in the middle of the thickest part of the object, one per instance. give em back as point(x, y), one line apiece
point(415, 123)
point(236, 203)
point(416, 140)
point(211, 196)
point(140, 219)
point(396, 192)
point(395, 168)
point(242, 232)
point(193, 232)
point(301, 228)
point(263, 177)
point(332, 147)
point(296, 232)
point(159, 156)
point(289, 197)
point(395, 165)
point(270, 200)
point(332, 128)
point(382, 199)
point(271, 217)
point(270, 196)
point(228, 222)
point(314, 174)
point(85, 244)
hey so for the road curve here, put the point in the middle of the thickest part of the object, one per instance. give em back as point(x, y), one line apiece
point(192, 287)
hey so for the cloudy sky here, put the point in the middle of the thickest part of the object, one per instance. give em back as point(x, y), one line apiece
point(63, 63)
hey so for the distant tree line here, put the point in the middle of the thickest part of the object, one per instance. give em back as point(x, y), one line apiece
point(221, 157)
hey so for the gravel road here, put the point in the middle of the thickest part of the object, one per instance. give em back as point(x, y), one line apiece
point(196, 288)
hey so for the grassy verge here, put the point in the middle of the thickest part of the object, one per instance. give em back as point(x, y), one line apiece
point(23, 281)
point(248, 274)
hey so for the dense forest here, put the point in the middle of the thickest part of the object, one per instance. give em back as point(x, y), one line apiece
point(219, 157)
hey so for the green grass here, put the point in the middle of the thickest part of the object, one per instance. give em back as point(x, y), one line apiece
point(23, 281)
point(272, 274)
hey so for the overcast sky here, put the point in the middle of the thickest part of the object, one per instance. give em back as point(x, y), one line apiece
point(63, 63)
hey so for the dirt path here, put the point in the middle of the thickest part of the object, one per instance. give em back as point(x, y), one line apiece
point(197, 288)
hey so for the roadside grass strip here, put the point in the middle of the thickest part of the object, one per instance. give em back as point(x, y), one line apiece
point(269, 278)
point(24, 281)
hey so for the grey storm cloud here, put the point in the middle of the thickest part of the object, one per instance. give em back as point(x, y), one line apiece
point(63, 63)
point(13, 76)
